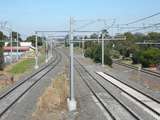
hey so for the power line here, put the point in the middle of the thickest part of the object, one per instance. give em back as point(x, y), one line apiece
point(142, 19)
point(146, 27)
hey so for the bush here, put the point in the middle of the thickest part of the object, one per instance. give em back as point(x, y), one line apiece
point(1, 56)
point(88, 52)
point(107, 57)
point(147, 57)
point(95, 53)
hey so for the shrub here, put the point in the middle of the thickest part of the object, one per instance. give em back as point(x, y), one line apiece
point(147, 57)
point(97, 54)
point(94, 51)
point(107, 57)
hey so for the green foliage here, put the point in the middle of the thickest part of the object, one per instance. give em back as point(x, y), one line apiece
point(97, 54)
point(94, 51)
point(22, 66)
point(1, 56)
point(107, 58)
point(2, 36)
point(115, 54)
point(1, 59)
point(33, 40)
point(148, 57)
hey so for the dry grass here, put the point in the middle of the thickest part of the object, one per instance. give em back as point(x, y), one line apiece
point(52, 104)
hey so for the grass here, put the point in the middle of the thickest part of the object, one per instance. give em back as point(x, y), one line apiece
point(22, 66)
point(26, 65)
point(52, 104)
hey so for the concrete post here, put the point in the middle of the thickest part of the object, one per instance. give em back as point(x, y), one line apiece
point(71, 101)
point(36, 52)
point(46, 51)
point(102, 49)
point(17, 47)
point(83, 46)
point(11, 49)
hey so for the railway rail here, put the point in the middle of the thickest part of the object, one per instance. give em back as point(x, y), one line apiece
point(93, 83)
point(149, 102)
point(157, 74)
point(11, 96)
point(86, 77)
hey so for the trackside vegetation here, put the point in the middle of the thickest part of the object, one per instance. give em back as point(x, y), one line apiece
point(148, 55)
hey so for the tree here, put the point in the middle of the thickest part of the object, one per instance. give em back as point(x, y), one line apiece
point(154, 36)
point(14, 36)
point(105, 33)
point(66, 40)
point(2, 36)
point(33, 40)
point(1, 56)
point(93, 36)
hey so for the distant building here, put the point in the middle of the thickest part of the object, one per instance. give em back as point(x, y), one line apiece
point(25, 49)
point(25, 44)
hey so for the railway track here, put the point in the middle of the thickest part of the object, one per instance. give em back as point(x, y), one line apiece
point(11, 96)
point(148, 106)
point(147, 101)
point(87, 78)
point(136, 68)
point(129, 113)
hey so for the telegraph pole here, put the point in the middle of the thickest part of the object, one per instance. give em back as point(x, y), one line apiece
point(36, 52)
point(102, 49)
point(71, 100)
point(17, 47)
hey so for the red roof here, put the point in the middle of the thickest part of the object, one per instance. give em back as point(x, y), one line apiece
point(15, 48)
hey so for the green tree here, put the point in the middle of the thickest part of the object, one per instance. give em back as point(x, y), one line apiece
point(154, 36)
point(1, 56)
point(14, 36)
point(94, 36)
point(33, 40)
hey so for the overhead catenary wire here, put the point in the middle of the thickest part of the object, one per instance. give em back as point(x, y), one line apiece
point(142, 19)
point(146, 27)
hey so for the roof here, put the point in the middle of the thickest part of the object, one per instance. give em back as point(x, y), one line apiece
point(15, 48)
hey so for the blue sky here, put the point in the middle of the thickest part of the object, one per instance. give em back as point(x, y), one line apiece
point(26, 16)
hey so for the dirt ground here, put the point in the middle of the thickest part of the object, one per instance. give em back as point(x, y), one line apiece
point(52, 104)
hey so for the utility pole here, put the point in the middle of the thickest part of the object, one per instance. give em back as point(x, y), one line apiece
point(71, 100)
point(17, 47)
point(102, 49)
point(83, 46)
point(36, 52)
point(46, 51)
point(11, 50)
point(51, 48)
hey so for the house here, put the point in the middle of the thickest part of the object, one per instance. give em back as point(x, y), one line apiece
point(25, 49)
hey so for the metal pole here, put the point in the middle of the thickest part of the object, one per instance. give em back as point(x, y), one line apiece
point(36, 54)
point(51, 48)
point(71, 61)
point(17, 47)
point(98, 37)
point(71, 101)
point(11, 48)
point(83, 46)
point(102, 49)
point(46, 51)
